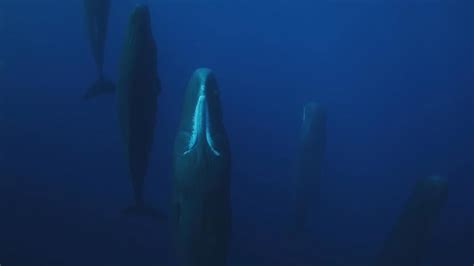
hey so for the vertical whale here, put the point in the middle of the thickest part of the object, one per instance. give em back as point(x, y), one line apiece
point(137, 91)
point(96, 15)
point(410, 235)
point(310, 162)
point(201, 211)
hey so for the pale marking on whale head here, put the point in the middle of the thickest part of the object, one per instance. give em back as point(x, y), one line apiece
point(209, 139)
point(198, 127)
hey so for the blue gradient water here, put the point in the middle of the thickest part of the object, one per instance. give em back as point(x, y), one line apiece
point(396, 77)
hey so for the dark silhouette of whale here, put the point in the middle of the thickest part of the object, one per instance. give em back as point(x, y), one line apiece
point(309, 164)
point(137, 90)
point(96, 15)
point(406, 243)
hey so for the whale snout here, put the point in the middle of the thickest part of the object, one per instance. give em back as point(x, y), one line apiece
point(140, 16)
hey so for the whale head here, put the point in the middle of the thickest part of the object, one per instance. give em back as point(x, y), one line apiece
point(435, 186)
point(140, 17)
point(201, 121)
point(139, 25)
point(314, 119)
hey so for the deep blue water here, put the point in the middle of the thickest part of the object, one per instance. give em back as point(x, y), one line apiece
point(396, 77)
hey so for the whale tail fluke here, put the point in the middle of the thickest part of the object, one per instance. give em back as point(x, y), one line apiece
point(99, 87)
point(142, 210)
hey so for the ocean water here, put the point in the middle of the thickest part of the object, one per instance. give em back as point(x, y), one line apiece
point(396, 78)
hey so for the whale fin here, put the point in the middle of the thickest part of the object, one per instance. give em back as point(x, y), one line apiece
point(99, 87)
point(146, 211)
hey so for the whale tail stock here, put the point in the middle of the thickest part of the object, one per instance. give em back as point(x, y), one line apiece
point(99, 87)
point(145, 211)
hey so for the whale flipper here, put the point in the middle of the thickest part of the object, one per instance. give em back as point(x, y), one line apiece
point(136, 210)
point(99, 87)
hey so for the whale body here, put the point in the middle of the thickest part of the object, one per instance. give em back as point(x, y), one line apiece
point(201, 212)
point(137, 91)
point(406, 243)
point(96, 15)
point(310, 162)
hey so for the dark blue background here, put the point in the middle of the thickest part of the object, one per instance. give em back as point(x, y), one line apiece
point(396, 77)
